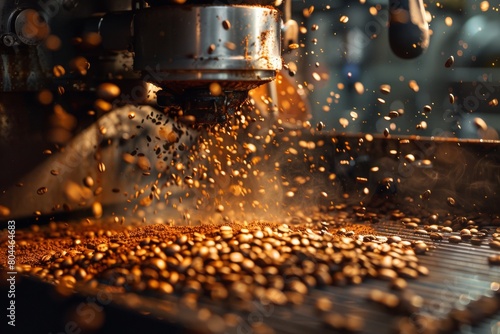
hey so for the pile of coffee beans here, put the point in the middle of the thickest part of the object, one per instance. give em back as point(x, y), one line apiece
point(456, 230)
point(277, 262)
point(236, 264)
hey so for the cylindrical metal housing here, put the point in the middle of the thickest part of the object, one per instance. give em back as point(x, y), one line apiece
point(208, 43)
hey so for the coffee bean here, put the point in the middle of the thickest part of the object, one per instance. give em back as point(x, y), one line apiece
point(426, 195)
point(298, 286)
point(283, 228)
point(436, 236)
point(276, 296)
point(68, 281)
point(408, 273)
point(102, 248)
point(410, 158)
point(495, 244)
point(398, 284)
point(465, 232)
point(354, 324)
point(394, 239)
point(387, 274)
point(88, 181)
point(236, 257)
point(226, 24)
point(476, 241)
point(385, 89)
point(158, 264)
point(81, 274)
point(494, 259)
point(58, 71)
point(434, 218)
point(211, 48)
point(393, 114)
point(46, 258)
point(420, 248)
point(465, 235)
point(412, 226)
point(323, 305)
point(334, 321)
point(421, 231)
point(165, 288)
point(323, 278)
point(108, 91)
point(97, 257)
point(449, 62)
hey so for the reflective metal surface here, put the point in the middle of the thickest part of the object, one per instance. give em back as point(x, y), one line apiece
point(240, 43)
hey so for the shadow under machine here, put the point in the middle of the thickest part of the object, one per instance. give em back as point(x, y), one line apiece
point(159, 163)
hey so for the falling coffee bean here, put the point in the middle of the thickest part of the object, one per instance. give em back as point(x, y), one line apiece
point(426, 195)
point(226, 24)
point(449, 62)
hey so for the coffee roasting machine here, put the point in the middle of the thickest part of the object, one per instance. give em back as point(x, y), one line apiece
point(137, 49)
point(117, 117)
